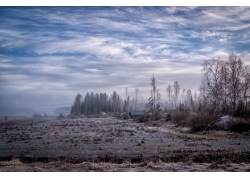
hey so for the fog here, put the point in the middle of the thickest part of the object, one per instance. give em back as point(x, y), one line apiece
point(49, 54)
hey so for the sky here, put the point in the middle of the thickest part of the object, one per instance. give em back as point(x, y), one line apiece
point(49, 54)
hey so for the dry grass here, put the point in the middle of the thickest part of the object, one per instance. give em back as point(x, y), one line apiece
point(116, 145)
point(146, 166)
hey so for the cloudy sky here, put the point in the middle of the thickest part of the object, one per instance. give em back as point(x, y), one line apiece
point(49, 54)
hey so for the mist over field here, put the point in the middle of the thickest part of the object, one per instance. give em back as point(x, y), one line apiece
point(125, 88)
point(49, 54)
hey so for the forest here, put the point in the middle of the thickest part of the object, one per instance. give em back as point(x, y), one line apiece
point(224, 90)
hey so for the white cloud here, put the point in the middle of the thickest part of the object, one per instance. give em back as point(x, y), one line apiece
point(62, 52)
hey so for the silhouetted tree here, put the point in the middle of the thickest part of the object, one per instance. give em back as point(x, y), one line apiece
point(76, 107)
point(153, 106)
point(176, 91)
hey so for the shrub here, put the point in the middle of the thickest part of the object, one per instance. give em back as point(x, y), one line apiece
point(168, 118)
point(143, 118)
point(240, 125)
point(180, 116)
point(123, 116)
point(201, 121)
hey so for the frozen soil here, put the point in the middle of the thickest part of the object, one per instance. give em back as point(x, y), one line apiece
point(109, 144)
point(15, 165)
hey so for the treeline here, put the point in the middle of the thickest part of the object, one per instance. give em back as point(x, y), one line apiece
point(96, 103)
point(224, 90)
point(184, 98)
point(184, 101)
point(225, 87)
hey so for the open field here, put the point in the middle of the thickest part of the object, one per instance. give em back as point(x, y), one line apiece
point(109, 144)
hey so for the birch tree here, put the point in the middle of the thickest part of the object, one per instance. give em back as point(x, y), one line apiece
point(169, 94)
point(176, 91)
point(235, 67)
point(211, 71)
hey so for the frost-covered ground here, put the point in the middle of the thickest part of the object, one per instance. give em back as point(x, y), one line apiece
point(16, 165)
point(108, 144)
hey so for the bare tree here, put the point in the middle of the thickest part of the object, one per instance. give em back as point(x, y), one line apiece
point(189, 98)
point(224, 86)
point(136, 98)
point(195, 100)
point(183, 95)
point(169, 94)
point(235, 67)
point(246, 86)
point(153, 91)
point(211, 71)
point(158, 105)
point(176, 91)
point(246, 80)
point(126, 101)
point(126, 92)
point(153, 106)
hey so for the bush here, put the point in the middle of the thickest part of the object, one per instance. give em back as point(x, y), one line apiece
point(180, 116)
point(142, 118)
point(239, 126)
point(123, 116)
point(201, 121)
point(168, 118)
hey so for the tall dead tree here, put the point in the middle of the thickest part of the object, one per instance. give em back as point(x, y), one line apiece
point(153, 108)
point(176, 91)
point(169, 94)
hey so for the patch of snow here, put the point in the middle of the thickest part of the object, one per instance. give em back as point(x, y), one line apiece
point(225, 122)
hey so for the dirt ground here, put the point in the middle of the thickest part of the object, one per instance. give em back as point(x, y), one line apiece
point(109, 144)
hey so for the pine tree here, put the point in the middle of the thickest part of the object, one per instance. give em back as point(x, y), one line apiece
point(76, 107)
point(153, 106)
point(149, 107)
